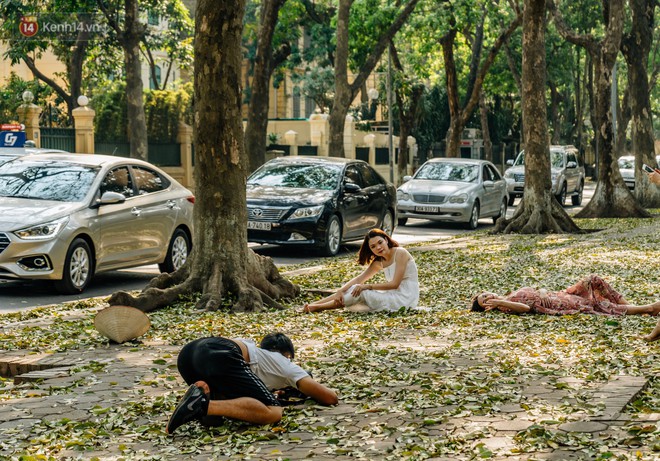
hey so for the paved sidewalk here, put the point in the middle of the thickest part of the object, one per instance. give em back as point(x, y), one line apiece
point(80, 387)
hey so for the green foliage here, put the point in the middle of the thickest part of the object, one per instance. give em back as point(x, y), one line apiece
point(11, 96)
point(163, 110)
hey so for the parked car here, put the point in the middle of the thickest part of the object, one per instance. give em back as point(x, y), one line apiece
point(8, 153)
point(65, 217)
point(627, 169)
point(566, 174)
point(453, 190)
point(320, 202)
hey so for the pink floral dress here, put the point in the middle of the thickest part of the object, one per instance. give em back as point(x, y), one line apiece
point(591, 295)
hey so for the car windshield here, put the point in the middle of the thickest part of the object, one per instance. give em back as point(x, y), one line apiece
point(297, 175)
point(626, 163)
point(62, 182)
point(445, 171)
point(556, 159)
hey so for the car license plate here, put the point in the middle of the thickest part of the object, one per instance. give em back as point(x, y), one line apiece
point(258, 225)
point(427, 209)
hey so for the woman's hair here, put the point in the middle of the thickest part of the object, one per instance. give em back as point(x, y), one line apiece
point(277, 342)
point(365, 256)
point(476, 307)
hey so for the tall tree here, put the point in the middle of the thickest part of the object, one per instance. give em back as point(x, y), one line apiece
point(221, 265)
point(70, 48)
point(612, 198)
point(129, 32)
point(539, 212)
point(636, 47)
point(408, 91)
point(345, 91)
point(461, 113)
point(265, 62)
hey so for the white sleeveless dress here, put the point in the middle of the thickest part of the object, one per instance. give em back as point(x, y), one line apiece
point(407, 295)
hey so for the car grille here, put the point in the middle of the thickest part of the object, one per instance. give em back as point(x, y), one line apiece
point(426, 198)
point(266, 214)
point(4, 242)
point(519, 177)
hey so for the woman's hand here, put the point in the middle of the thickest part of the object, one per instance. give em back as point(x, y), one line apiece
point(359, 289)
point(490, 304)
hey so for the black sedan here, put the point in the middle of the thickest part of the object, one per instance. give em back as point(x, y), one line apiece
point(321, 202)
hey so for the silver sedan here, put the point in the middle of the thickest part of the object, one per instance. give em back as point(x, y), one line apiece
point(64, 217)
point(453, 190)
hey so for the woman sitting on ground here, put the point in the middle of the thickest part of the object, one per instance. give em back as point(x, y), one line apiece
point(401, 289)
point(591, 295)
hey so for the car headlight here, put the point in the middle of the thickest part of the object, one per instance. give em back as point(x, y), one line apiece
point(401, 195)
point(508, 174)
point(44, 231)
point(309, 212)
point(460, 198)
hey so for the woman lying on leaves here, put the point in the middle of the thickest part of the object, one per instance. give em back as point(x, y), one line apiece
point(591, 295)
point(401, 289)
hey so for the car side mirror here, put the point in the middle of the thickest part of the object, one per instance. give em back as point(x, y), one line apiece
point(407, 178)
point(488, 183)
point(509, 162)
point(351, 187)
point(110, 198)
point(571, 165)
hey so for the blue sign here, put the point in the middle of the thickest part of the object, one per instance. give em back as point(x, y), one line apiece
point(12, 138)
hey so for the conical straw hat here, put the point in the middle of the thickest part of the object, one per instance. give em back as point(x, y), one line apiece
point(121, 323)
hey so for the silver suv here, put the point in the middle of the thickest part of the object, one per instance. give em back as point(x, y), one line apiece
point(566, 175)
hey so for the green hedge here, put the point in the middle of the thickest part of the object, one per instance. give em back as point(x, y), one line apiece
point(163, 110)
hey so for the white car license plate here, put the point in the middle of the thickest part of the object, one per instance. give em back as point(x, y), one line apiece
point(427, 209)
point(258, 225)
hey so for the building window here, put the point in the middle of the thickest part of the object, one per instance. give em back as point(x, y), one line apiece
point(155, 85)
point(153, 19)
point(309, 106)
point(296, 102)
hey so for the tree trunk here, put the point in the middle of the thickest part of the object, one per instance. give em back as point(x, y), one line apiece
point(636, 47)
point(538, 212)
point(554, 113)
point(485, 130)
point(137, 122)
point(345, 91)
point(221, 266)
point(256, 130)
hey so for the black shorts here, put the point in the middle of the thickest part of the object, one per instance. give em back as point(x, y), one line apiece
point(220, 364)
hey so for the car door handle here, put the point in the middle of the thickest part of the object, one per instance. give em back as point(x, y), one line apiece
point(170, 204)
point(135, 211)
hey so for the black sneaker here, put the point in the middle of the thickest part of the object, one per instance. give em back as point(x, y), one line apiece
point(193, 405)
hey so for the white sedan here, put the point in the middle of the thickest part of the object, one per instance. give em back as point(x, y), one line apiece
point(453, 190)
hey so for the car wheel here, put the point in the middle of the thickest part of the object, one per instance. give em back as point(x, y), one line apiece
point(402, 221)
point(576, 199)
point(512, 199)
point(474, 217)
point(332, 237)
point(177, 252)
point(561, 198)
point(388, 223)
point(77, 269)
point(502, 211)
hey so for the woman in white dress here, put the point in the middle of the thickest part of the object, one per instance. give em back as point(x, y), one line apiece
point(401, 289)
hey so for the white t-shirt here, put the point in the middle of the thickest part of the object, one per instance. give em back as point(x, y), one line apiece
point(275, 370)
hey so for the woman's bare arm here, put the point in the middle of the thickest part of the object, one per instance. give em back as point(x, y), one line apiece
point(508, 307)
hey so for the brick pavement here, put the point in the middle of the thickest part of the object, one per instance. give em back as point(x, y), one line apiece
point(93, 381)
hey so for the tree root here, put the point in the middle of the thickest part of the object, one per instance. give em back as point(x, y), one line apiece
point(529, 219)
point(260, 285)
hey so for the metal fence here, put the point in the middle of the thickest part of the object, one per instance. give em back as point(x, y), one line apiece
point(58, 138)
point(161, 154)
